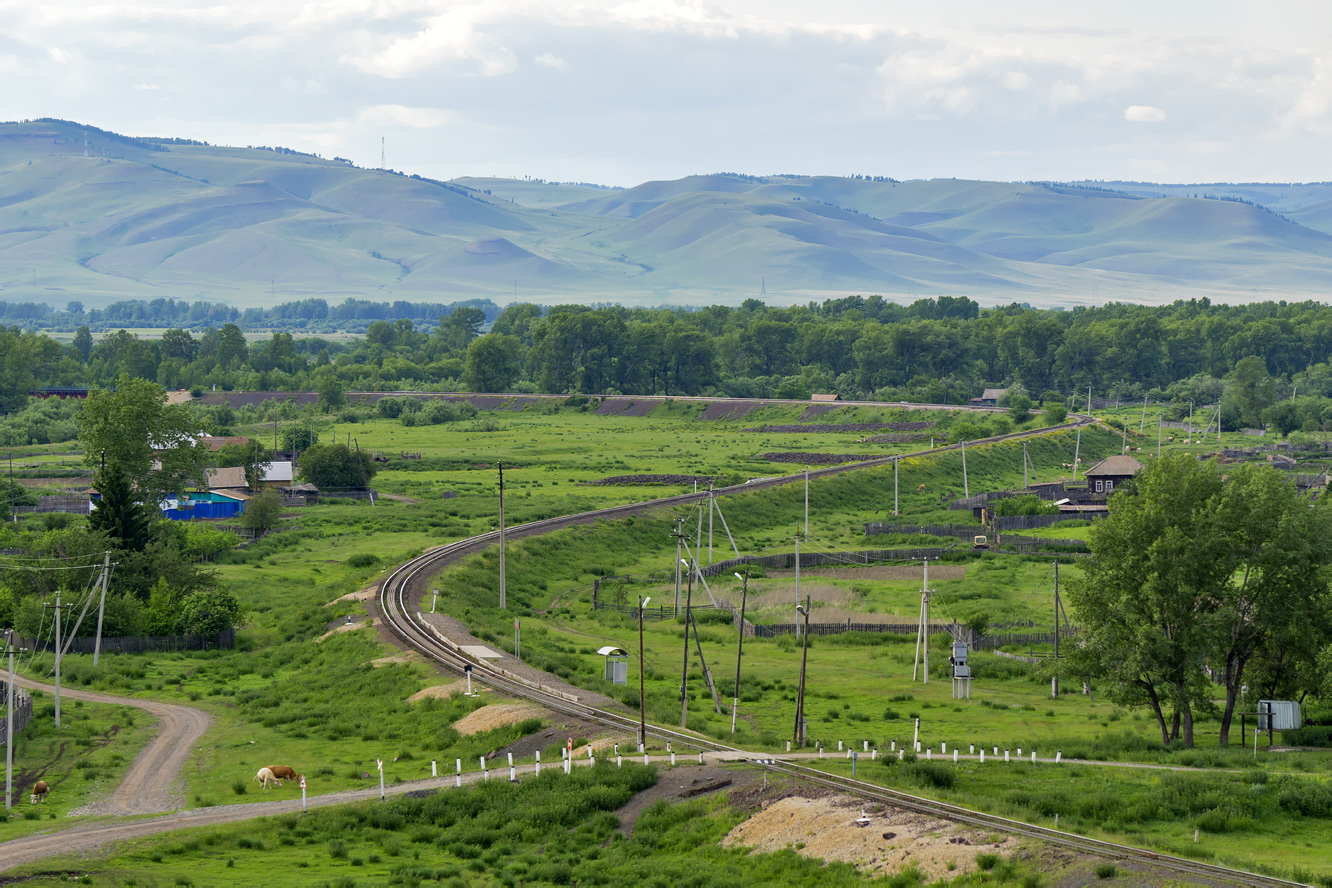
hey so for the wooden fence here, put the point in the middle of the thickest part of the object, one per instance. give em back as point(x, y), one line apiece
point(135, 644)
point(776, 629)
point(1027, 522)
point(1029, 639)
point(22, 710)
point(961, 531)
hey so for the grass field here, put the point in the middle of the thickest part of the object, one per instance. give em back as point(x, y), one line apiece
point(322, 706)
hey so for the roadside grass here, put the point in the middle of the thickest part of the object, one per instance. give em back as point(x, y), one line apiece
point(551, 830)
point(1248, 819)
point(81, 762)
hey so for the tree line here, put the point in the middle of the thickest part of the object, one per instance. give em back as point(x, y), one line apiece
point(1257, 361)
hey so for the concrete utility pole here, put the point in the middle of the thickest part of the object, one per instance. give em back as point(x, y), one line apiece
point(800, 692)
point(679, 537)
point(642, 711)
point(895, 462)
point(9, 722)
point(684, 674)
point(1025, 481)
point(966, 492)
point(1054, 686)
point(101, 606)
point(1077, 451)
point(1158, 435)
point(502, 602)
point(923, 627)
point(807, 503)
point(1142, 422)
point(57, 658)
point(712, 504)
point(740, 645)
point(797, 566)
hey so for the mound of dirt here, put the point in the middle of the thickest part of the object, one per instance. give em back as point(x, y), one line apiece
point(805, 428)
point(817, 459)
point(626, 407)
point(814, 411)
point(893, 839)
point(895, 438)
point(359, 595)
point(728, 409)
point(619, 480)
point(497, 715)
point(439, 692)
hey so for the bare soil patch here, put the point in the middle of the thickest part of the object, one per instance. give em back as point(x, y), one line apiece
point(674, 783)
point(620, 480)
point(439, 692)
point(349, 627)
point(728, 409)
point(817, 459)
point(827, 828)
point(365, 594)
point(816, 428)
point(814, 411)
point(497, 715)
point(626, 407)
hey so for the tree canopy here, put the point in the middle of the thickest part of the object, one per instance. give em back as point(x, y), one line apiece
point(336, 466)
point(1195, 573)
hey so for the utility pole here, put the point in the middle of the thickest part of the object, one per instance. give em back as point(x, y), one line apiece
point(57, 658)
point(1190, 420)
point(1088, 400)
point(1158, 435)
point(712, 504)
point(797, 565)
point(740, 645)
point(684, 674)
point(679, 536)
point(501, 536)
point(923, 628)
point(1142, 422)
point(1054, 682)
point(806, 504)
point(966, 492)
point(1077, 450)
point(800, 692)
point(9, 722)
point(101, 606)
point(12, 516)
point(895, 462)
point(365, 482)
point(642, 667)
point(1025, 481)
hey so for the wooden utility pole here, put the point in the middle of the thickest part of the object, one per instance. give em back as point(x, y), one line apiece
point(923, 627)
point(684, 673)
point(502, 602)
point(966, 492)
point(101, 606)
point(1054, 682)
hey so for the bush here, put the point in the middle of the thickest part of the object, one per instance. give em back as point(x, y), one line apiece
point(1309, 735)
point(362, 559)
point(1106, 871)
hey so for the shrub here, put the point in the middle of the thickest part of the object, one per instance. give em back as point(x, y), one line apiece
point(363, 559)
point(1106, 871)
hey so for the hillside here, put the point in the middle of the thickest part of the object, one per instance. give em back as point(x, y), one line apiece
point(92, 216)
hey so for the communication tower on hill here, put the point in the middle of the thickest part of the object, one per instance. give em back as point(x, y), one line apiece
point(382, 165)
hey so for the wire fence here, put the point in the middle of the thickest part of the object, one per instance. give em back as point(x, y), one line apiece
point(135, 644)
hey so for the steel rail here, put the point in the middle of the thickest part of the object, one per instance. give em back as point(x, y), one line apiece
point(406, 583)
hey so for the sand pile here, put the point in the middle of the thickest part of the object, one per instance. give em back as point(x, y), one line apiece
point(497, 715)
point(893, 840)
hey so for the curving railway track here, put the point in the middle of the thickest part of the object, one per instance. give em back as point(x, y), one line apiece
point(405, 586)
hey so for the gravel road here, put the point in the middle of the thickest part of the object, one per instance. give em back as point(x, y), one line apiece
point(153, 784)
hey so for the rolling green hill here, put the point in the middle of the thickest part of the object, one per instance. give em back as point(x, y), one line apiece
point(92, 216)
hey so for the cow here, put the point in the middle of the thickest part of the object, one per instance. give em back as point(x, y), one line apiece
point(265, 777)
point(284, 772)
point(39, 792)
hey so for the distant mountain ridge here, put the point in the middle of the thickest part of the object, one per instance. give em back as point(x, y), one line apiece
point(93, 216)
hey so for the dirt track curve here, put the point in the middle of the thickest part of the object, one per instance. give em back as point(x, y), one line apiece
point(150, 785)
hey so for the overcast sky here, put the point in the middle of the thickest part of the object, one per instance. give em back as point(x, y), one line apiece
point(623, 92)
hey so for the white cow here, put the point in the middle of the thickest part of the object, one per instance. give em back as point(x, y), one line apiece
point(265, 777)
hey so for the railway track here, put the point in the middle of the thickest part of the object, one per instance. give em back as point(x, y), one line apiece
point(405, 586)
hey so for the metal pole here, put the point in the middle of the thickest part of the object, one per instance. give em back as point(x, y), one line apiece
point(1055, 687)
point(739, 648)
point(1077, 450)
point(925, 679)
point(502, 602)
point(642, 713)
point(1025, 481)
point(806, 503)
point(712, 504)
point(101, 607)
point(1142, 422)
point(677, 575)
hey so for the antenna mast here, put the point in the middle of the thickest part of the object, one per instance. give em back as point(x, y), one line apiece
point(382, 164)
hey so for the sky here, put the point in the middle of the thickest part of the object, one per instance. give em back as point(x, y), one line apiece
point(619, 93)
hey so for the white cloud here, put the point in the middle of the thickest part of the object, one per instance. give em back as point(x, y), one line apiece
point(146, 86)
point(1144, 114)
point(401, 115)
point(550, 60)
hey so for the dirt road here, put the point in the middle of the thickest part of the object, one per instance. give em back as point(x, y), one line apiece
point(153, 783)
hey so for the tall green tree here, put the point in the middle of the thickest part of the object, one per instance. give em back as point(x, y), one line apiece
point(155, 444)
point(1145, 592)
point(119, 514)
point(336, 466)
point(493, 363)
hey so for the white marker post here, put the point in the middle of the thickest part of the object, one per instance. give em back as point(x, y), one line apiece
point(459, 772)
point(379, 763)
point(485, 772)
point(433, 599)
point(538, 763)
point(513, 773)
point(434, 772)
point(302, 793)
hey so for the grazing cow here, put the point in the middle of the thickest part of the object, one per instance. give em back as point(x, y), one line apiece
point(265, 777)
point(284, 772)
point(39, 792)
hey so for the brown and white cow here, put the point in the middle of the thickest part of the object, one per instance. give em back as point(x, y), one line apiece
point(284, 772)
point(39, 791)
